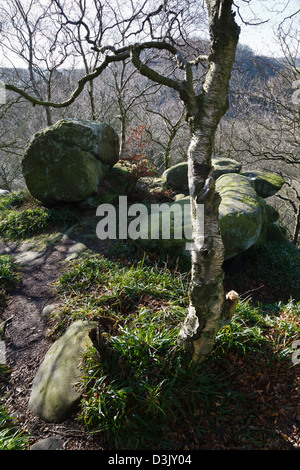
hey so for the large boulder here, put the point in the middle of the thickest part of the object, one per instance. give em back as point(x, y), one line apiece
point(244, 218)
point(222, 166)
point(54, 395)
point(266, 184)
point(65, 162)
point(176, 177)
point(241, 213)
point(119, 181)
point(168, 227)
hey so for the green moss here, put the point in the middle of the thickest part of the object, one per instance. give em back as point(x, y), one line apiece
point(265, 183)
point(241, 213)
point(66, 162)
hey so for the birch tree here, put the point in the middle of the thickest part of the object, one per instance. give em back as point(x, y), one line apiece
point(135, 31)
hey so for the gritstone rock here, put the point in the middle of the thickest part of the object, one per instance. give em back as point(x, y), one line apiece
point(65, 162)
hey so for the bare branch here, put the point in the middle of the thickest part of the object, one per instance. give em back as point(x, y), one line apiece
point(81, 84)
point(150, 73)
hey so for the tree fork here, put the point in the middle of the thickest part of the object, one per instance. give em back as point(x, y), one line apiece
point(209, 307)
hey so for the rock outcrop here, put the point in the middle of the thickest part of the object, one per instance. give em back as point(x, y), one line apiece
point(176, 177)
point(245, 216)
point(265, 183)
point(119, 181)
point(65, 162)
point(242, 213)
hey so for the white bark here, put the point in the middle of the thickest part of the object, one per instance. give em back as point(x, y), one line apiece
point(209, 308)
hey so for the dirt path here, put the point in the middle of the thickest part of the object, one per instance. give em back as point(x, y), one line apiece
point(27, 342)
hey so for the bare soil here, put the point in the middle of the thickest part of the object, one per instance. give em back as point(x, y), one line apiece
point(27, 341)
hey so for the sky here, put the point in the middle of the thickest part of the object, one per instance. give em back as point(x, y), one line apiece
point(261, 38)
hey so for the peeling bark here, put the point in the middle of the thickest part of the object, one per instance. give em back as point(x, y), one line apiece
point(209, 309)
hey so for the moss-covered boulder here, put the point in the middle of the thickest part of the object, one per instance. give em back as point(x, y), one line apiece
point(168, 226)
point(119, 181)
point(176, 177)
point(54, 395)
point(266, 184)
point(65, 162)
point(244, 219)
point(241, 213)
point(222, 166)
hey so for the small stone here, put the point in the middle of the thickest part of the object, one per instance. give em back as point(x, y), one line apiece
point(75, 250)
point(48, 310)
point(28, 257)
point(49, 443)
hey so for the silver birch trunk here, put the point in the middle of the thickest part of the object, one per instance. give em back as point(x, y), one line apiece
point(209, 307)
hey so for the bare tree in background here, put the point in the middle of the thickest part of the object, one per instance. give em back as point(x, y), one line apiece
point(129, 93)
point(171, 122)
point(27, 35)
point(134, 33)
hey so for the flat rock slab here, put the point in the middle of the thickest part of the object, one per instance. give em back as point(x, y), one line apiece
point(75, 251)
point(54, 395)
point(28, 257)
point(49, 443)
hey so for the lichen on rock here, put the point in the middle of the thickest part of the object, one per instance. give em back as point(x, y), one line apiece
point(65, 162)
point(266, 183)
point(54, 395)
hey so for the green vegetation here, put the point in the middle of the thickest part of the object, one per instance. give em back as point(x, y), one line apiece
point(144, 390)
point(9, 277)
point(96, 287)
point(9, 201)
point(11, 438)
point(18, 225)
point(140, 393)
point(22, 217)
point(277, 263)
point(262, 330)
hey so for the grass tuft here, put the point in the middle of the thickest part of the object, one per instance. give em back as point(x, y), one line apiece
point(11, 438)
point(9, 277)
point(20, 225)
